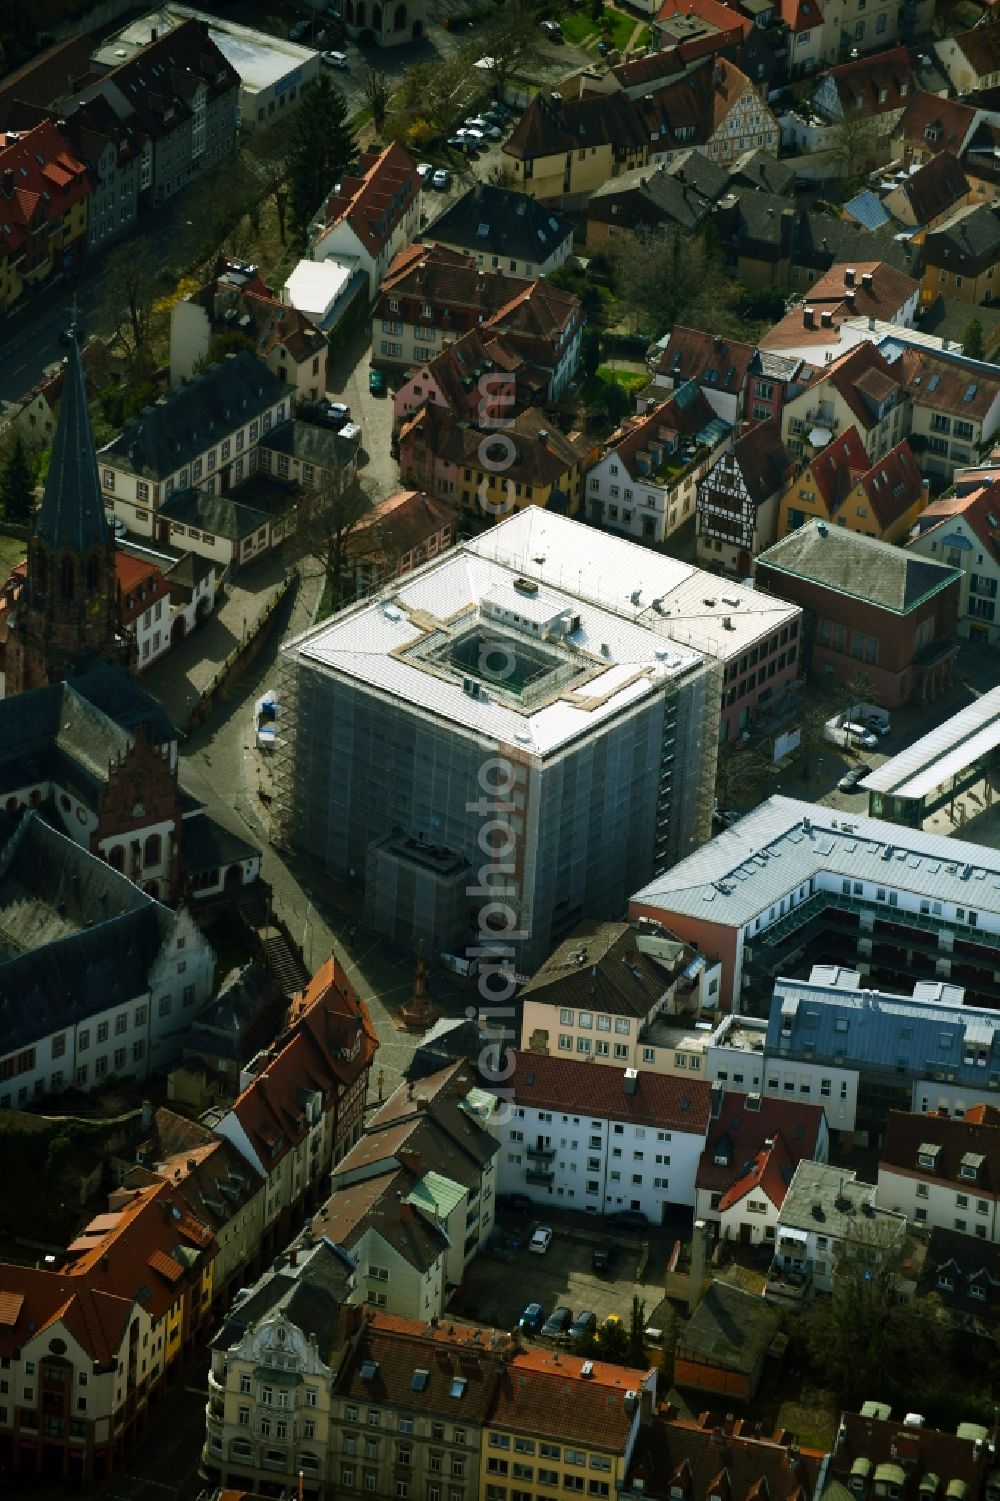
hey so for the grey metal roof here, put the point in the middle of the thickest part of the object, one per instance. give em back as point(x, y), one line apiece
point(922, 1034)
point(943, 752)
point(72, 512)
point(786, 843)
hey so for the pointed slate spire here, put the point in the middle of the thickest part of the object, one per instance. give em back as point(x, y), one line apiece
point(72, 512)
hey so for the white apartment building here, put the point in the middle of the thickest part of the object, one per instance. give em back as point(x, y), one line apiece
point(737, 1056)
point(942, 1172)
point(828, 1213)
point(601, 1140)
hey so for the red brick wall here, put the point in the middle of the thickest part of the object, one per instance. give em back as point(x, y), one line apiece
point(141, 791)
point(714, 940)
point(892, 677)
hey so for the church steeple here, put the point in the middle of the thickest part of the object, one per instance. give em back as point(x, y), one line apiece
point(66, 612)
point(72, 512)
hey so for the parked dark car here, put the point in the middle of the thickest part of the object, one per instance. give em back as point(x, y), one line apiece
point(532, 1318)
point(515, 1203)
point(604, 1259)
point(585, 1323)
point(558, 1321)
point(628, 1219)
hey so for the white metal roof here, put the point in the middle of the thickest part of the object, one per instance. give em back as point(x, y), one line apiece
point(942, 753)
point(368, 644)
point(710, 614)
point(785, 842)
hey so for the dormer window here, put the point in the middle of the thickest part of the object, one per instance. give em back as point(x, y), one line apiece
point(927, 1155)
point(970, 1165)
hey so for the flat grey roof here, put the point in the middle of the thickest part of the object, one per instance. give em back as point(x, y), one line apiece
point(785, 843)
point(259, 58)
point(942, 753)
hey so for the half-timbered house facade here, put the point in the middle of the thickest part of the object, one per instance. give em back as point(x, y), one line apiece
point(737, 505)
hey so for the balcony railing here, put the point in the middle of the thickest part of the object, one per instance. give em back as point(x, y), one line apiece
point(788, 1282)
point(540, 1175)
point(545, 1153)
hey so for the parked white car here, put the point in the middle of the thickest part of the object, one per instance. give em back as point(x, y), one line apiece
point(541, 1240)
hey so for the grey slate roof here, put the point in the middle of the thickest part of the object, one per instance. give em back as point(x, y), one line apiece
point(968, 241)
point(758, 169)
point(515, 225)
point(312, 444)
point(218, 514)
point(785, 843)
point(648, 196)
point(234, 1025)
point(56, 970)
point(207, 845)
point(122, 699)
point(310, 1295)
point(166, 437)
point(730, 1329)
point(858, 566)
point(72, 512)
point(867, 1027)
point(59, 732)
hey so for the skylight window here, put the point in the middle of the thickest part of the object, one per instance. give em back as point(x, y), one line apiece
point(458, 1387)
point(420, 1380)
point(368, 1370)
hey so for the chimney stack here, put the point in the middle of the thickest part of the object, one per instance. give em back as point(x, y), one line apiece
point(826, 319)
point(850, 277)
point(808, 316)
point(867, 280)
point(699, 1258)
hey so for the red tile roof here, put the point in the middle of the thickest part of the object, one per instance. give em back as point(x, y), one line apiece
point(40, 181)
point(908, 1133)
point(140, 585)
point(153, 1245)
point(801, 15)
point(861, 372)
point(769, 1172)
point(893, 485)
point(665, 424)
point(981, 47)
point(837, 468)
point(545, 1393)
point(721, 364)
point(673, 1453)
point(862, 82)
point(739, 1135)
point(932, 122)
point(935, 187)
point(729, 21)
point(564, 1084)
point(375, 198)
point(33, 1299)
point(947, 385)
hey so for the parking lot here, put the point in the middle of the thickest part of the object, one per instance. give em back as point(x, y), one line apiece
point(496, 1291)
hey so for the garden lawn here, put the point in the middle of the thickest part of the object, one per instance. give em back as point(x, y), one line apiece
point(620, 27)
point(577, 26)
point(12, 550)
point(629, 380)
